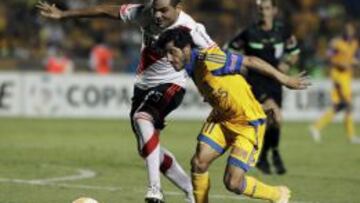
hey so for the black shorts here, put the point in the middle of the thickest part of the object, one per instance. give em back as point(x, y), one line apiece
point(158, 101)
point(264, 93)
point(265, 88)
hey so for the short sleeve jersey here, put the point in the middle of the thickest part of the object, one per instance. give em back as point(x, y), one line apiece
point(154, 69)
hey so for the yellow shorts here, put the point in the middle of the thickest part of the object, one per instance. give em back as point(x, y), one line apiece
point(345, 90)
point(219, 138)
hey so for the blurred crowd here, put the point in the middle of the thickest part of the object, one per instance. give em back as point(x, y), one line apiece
point(26, 39)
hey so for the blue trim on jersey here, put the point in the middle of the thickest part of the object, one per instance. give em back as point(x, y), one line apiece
point(218, 72)
point(227, 69)
point(257, 122)
point(237, 163)
point(239, 63)
point(190, 66)
point(211, 143)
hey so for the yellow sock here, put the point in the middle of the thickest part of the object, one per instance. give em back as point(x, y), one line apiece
point(325, 119)
point(201, 184)
point(256, 189)
point(349, 125)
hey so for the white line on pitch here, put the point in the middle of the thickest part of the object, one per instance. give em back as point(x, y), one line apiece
point(112, 189)
point(82, 174)
point(86, 174)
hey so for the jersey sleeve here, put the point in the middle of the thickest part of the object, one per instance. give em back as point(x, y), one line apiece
point(292, 46)
point(232, 65)
point(130, 12)
point(201, 37)
point(291, 43)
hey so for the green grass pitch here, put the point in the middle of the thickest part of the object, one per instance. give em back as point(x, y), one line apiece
point(40, 160)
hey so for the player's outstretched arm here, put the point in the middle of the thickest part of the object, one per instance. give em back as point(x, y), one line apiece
point(292, 82)
point(53, 12)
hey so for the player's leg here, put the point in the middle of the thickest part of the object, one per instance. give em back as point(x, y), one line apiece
point(242, 157)
point(275, 130)
point(349, 125)
point(149, 149)
point(211, 145)
point(347, 105)
point(147, 138)
point(328, 116)
point(321, 123)
point(171, 169)
point(148, 119)
point(272, 137)
point(238, 182)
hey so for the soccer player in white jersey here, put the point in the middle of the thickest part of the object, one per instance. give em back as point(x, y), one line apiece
point(159, 89)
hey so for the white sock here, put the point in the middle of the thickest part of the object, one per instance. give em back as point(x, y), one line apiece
point(174, 172)
point(150, 146)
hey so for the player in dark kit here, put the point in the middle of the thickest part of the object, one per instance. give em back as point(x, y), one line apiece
point(271, 41)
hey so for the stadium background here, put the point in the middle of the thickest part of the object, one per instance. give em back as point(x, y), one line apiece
point(24, 42)
point(37, 156)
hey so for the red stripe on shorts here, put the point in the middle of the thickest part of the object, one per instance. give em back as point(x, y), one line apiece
point(170, 92)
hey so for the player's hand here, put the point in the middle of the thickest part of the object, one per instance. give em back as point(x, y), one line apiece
point(299, 82)
point(49, 11)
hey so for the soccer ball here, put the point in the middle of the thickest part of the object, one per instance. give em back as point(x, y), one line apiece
point(85, 200)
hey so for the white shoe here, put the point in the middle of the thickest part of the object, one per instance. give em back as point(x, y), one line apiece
point(315, 134)
point(285, 195)
point(154, 195)
point(189, 198)
point(355, 140)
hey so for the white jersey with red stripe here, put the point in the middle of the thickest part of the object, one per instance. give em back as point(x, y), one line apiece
point(154, 69)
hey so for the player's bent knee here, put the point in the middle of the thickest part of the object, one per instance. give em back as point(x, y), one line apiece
point(142, 115)
point(198, 165)
point(234, 184)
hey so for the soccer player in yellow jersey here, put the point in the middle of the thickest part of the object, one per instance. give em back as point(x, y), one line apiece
point(237, 121)
point(342, 59)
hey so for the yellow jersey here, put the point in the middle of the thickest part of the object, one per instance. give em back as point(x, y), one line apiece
point(216, 75)
point(343, 52)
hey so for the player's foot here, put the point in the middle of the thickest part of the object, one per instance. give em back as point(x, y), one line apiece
point(189, 198)
point(355, 140)
point(315, 134)
point(263, 166)
point(285, 195)
point(154, 195)
point(278, 163)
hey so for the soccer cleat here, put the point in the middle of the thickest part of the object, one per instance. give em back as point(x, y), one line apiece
point(355, 140)
point(315, 134)
point(154, 195)
point(278, 163)
point(285, 195)
point(264, 166)
point(151, 200)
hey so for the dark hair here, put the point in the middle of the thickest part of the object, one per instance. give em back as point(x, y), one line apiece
point(180, 36)
point(273, 2)
point(174, 3)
